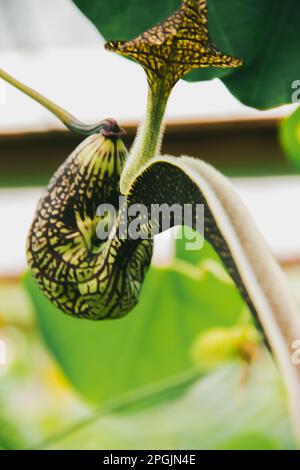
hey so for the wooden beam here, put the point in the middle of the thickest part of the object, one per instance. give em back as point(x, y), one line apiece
point(237, 147)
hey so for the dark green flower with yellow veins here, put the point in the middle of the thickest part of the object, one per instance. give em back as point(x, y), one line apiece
point(174, 47)
point(83, 275)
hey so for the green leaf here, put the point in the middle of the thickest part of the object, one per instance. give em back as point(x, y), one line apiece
point(108, 359)
point(267, 81)
point(265, 33)
point(236, 28)
point(290, 137)
point(125, 20)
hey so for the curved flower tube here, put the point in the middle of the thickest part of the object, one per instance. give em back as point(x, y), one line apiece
point(100, 279)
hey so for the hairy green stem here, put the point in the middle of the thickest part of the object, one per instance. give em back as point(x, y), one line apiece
point(70, 121)
point(149, 137)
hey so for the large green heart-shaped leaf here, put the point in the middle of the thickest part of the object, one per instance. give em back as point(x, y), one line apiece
point(267, 80)
point(108, 359)
point(265, 33)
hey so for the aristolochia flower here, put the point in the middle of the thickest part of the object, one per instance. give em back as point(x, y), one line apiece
point(88, 278)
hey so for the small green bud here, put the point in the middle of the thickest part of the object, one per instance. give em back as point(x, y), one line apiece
point(220, 345)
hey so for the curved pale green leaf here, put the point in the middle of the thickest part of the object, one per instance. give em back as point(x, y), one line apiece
point(265, 33)
point(230, 230)
point(108, 359)
point(233, 234)
point(290, 137)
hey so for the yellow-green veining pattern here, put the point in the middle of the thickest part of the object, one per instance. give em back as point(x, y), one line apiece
point(80, 274)
point(175, 46)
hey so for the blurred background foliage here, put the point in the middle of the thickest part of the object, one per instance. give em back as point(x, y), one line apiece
point(137, 383)
point(186, 369)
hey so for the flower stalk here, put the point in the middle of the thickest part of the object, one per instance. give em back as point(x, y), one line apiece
point(148, 141)
point(70, 121)
point(167, 52)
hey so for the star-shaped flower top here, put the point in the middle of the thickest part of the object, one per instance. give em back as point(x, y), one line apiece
point(174, 47)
